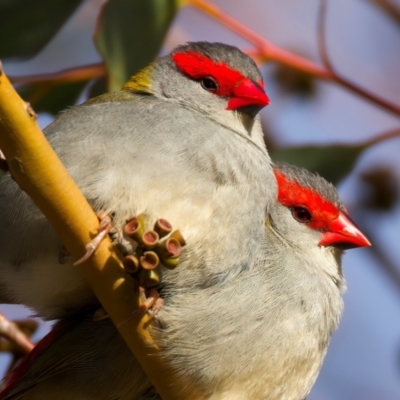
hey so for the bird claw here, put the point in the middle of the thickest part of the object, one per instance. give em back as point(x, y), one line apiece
point(103, 229)
point(99, 315)
point(152, 302)
point(63, 255)
point(14, 333)
point(15, 337)
point(149, 253)
point(3, 162)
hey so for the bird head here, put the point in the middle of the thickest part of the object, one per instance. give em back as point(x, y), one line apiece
point(310, 213)
point(211, 77)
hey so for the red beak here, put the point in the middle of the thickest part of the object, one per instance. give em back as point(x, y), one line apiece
point(343, 232)
point(248, 97)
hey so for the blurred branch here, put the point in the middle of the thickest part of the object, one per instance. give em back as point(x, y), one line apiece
point(338, 78)
point(36, 168)
point(321, 24)
point(390, 8)
point(391, 134)
point(269, 52)
point(68, 75)
point(12, 332)
point(266, 50)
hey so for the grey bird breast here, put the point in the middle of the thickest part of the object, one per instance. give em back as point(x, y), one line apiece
point(206, 179)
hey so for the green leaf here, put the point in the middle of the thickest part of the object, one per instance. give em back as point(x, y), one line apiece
point(332, 162)
point(130, 34)
point(26, 26)
point(52, 97)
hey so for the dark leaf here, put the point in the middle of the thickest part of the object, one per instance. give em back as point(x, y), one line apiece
point(383, 191)
point(295, 82)
point(26, 26)
point(130, 34)
point(52, 97)
point(98, 87)
point(332, 162)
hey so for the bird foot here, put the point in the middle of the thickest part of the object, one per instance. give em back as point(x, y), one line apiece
point(99, 315)
point(15, 337)
point(63, 255)
point(103, 229)
point(152, 302)
point(3, 163)
point(151, 248)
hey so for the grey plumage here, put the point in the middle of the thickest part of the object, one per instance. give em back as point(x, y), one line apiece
point(259, 334)
point(249, 312)
point(167, 148)
point(177, 154)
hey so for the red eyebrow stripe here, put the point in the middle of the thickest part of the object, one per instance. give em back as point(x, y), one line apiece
point(196, 65)
point(291, 194)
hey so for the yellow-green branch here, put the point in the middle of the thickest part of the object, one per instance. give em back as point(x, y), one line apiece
point(39, 172)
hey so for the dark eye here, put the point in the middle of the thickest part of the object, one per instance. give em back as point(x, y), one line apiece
point(301, 214)
point(208, 83)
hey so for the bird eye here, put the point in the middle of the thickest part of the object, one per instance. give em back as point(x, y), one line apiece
point(209, 84)
point(301, 214)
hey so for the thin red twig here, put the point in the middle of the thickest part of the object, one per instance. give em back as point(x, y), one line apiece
point(270, 52)
point(337, 77)
point(323, 52)
point(391, 134)
point(381, 137)
point(68, 75)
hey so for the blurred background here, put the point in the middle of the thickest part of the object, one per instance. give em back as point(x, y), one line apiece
point(351, 137)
